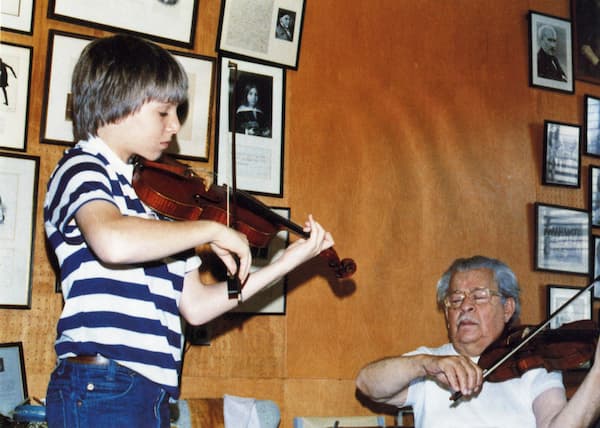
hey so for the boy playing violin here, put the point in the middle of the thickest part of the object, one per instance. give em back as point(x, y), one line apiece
point(127, 275)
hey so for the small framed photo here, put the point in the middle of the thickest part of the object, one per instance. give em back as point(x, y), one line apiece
point(17, 16)
point(251, 106)
point(15, 62)
point(578, 309)
point(562, 160)
point(268, 32)
point(550, 52)
point(64, 50)
point(595, 261)
point(592, 125)
point(562, 239)
point(18, 207)
point(165, 21)
point(594, 195)
point(270, 301)
point(13, 381)
point(585, 15)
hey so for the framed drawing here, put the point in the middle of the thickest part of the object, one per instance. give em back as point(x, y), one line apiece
point(15, 61)
point(271, 300)
point(13, 382)
point(269, 32)
point(562, 239)
point(18, 201)
point(550, 53)
point(17, 16)
point(562, 160)
point(591, 119)
point(579, 309)
point(251, 106)
point(585, 15)
point(64, 50)
point(166, 21)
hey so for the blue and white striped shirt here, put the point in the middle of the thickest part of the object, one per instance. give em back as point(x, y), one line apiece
point(127, 313)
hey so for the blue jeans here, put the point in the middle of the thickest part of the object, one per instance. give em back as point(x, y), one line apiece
point(86, 396)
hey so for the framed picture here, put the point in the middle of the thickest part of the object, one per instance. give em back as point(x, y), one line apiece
point(578, 309)
point(18, 201)
point(192, 138)
point(550, 52)
point(594, 195)
point(562, 160)
point(595, 260)
point(17, 16)
point(269, 32)
point(64, 50)
point(592, 125)
point(585, 15)
point(251, 105)
point(166, 21)
point(562, 239)
point(271, 300)
point(13, 382)
point(15, 62)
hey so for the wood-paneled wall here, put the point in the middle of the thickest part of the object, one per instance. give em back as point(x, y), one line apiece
point(412, 134)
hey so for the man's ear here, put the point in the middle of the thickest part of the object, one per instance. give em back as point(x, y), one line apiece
point(509, 308)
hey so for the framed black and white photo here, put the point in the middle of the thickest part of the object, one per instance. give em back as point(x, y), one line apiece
point(562, 160)
point(192, 139)
point(18, 201)
point(594, 195)
point(270, 301)
point(17, 16)
point(562, 239)
point(592, 125)
point(15, 61)
point(550, 52)
point(166, 21)
point(578, 309)
point(595, 261)
point(251, 105)
point(585, 16)
point(64, 49)
point(13, 381)
point(269, 32)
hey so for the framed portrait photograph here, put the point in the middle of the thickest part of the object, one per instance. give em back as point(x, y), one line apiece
point(562, 160)
point(251, 111)
point(550, 53)
point(585, 16)
point(13, 381)
point(64, 49)
point(578, 309)
point(268, 32)
point(562, 239)
point(15, 80)
point(191, 142)
point(166, 21)
point(270, 301)
point(591, 117)
point(18, 207)
point(17, 16)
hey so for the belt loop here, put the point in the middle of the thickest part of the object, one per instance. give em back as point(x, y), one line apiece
point(112, 370)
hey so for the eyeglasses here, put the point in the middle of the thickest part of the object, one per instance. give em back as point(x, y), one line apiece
point(479, 296)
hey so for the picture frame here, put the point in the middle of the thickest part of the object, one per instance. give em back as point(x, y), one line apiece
point(17, 16)
point(585, 17)
point(165, 21)
point(562, 239)
point(595, 265)
point(550, 53)
point(562, 159)
point(13, 380)
point(259, 142)
point(579, 309)
point(15, 101)
point(268, 32)
point(192, 139)
point(64, 49)
point(19, 175)
point(594, 195)
point(271, 300)
point(591, 119)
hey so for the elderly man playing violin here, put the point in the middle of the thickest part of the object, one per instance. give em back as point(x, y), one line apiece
point(479, 297)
